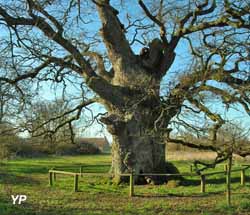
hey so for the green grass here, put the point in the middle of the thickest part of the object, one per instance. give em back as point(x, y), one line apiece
point(98, 195)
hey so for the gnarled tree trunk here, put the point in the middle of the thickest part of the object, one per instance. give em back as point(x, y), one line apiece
point(138, 142)
point(141, 154)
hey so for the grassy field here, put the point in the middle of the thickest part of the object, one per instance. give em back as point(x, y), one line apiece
point(98, 195)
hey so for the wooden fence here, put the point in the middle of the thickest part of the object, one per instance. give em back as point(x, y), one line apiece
point(205, 175)
point(53, 176)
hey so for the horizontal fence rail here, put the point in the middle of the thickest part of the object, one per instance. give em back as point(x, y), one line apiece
point(53, 173)
point(160, 174)
point(221, 164)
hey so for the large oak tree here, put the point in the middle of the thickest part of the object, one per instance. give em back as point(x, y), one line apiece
point(97, 40)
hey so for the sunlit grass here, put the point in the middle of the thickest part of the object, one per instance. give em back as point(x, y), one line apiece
point(97, 195)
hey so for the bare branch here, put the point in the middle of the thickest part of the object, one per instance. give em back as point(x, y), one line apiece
point(49, 32)
point(113, 34)
point(156, 21)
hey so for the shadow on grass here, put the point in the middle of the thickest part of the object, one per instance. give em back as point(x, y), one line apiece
point(11, 179)
point(171, 195)
point(104, 190)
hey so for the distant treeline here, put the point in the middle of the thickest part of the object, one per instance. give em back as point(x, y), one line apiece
point(13, 146)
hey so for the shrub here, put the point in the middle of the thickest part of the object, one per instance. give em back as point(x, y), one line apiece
point(87, 148)
point(27, 150)
point(66, 149)
point(4, 152)
point(5, 146)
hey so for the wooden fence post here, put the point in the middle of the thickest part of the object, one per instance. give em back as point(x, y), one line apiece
point(229, 179)
point(131, 183)
point(225, 168)
point(81, 168)
point(50, 178)
point(76, 183)
point(242, 177)
point(54, 174)
point(203, 183)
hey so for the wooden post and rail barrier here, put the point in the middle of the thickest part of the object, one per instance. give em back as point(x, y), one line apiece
point(81, 168)
point(242, 176)
point(76, 182)
point(203, 183)
point(224, 166)
point(50, 178)
point(53, 173)
point(131, 185)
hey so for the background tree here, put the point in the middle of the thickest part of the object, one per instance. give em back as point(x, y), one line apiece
point(59, 42)
point(47, 123)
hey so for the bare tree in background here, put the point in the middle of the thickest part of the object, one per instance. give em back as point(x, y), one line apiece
point(59, 42)
point(47, 123)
